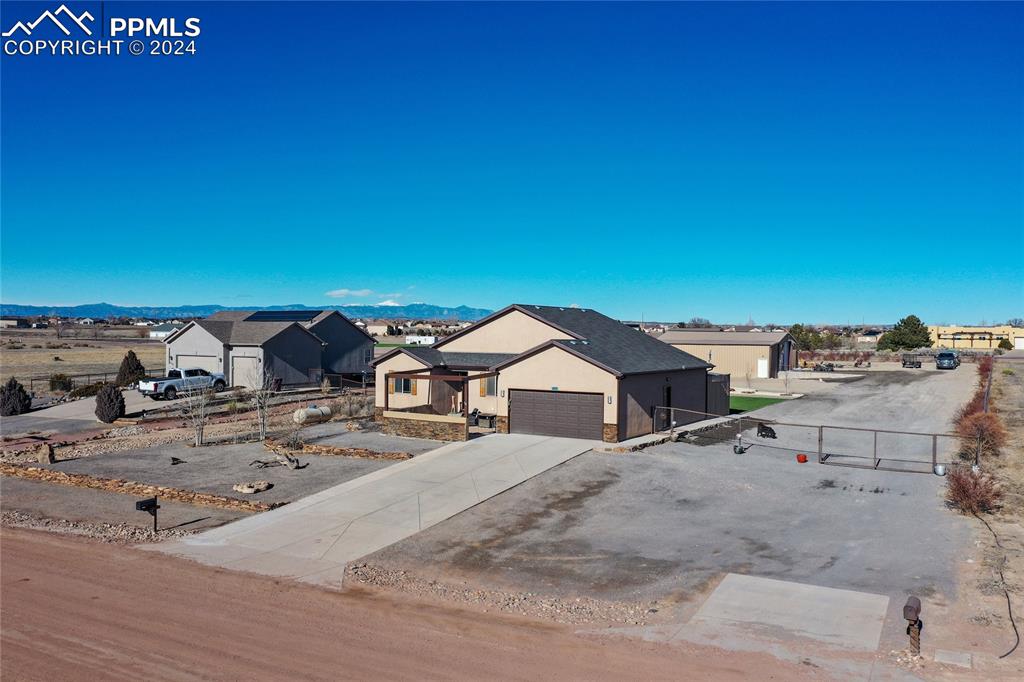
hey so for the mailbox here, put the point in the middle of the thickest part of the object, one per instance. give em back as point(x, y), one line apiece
point(147, 505)
point(912, 609)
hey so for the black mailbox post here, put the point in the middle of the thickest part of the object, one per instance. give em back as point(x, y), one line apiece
point(148, 505)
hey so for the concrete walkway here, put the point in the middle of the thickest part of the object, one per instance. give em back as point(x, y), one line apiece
point(312, 539)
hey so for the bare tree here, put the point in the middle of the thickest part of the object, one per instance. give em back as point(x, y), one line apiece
point(262, 389)
point(196, 408)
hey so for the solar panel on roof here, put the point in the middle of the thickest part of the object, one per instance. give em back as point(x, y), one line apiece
point(283, 315)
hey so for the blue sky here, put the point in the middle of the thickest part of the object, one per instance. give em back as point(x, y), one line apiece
point(789, 162)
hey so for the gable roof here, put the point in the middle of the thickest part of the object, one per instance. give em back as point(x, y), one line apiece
point(605, 342)
point(324, 314)
point(234, 332)
point(707, 337)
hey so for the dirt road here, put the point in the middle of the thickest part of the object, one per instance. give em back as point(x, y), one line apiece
point(77, 609)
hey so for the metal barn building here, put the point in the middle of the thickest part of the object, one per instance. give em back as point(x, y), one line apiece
point(760, 354)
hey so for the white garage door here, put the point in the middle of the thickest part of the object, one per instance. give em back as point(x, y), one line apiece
point(244, 372)
point(207, 362)
point(1018, 343)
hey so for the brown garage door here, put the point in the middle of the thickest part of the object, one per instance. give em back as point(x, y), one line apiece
point(554, 413)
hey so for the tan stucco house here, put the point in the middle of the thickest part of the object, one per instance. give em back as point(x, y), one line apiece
point(546, 370)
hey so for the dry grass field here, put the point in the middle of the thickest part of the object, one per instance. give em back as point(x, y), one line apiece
point(33, 355)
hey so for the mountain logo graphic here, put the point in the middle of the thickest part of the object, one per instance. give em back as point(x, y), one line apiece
point(68, 16)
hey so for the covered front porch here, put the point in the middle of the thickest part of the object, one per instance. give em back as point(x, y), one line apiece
point(433, 402)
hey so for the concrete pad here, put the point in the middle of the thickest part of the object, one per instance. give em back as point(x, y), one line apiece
point(838, 617)
point(957, 658)
point(315, 537)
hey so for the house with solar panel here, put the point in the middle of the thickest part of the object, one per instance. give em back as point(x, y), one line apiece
point(296, 346)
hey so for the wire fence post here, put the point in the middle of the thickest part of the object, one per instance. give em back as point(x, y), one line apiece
point(820, 440)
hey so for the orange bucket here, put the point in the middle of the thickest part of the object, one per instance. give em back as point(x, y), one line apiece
point(802, 458)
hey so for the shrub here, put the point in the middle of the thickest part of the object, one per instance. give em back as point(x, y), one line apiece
point(1005, 344)
point(61, 382)
point(1008, 372)
point(131, 370)
point(109, 403)
point(984, 430)
point(86, 391)
point(984, 369)
point(973, 406)
point(971, 492)
point(14, 399)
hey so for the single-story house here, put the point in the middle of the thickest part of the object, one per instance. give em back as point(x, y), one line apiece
point(162, 331)
point(87, 320)
point(13, 322)
point(569, 372)
point(756, 354)
point(295, 346)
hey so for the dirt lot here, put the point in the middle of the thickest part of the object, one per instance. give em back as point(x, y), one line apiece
point(660, 526)
point(76, 609)
point(35, 357)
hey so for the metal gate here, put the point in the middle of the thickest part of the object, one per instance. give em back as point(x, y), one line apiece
point(850, 446)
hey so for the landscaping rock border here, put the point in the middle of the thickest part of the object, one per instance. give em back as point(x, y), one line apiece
point(575, 611)
point(115, 533)
point(117, 485)
point(332, 451)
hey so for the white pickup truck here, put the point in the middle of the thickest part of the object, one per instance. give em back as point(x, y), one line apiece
point(181, 379)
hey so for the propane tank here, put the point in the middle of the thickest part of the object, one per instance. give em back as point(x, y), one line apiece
point(311, 415)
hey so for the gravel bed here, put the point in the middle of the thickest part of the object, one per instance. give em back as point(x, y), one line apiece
point(115, 533)
point(575, 611)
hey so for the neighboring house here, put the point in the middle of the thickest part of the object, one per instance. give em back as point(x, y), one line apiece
point(959, 336)
point(421, 340)
point(144, 323)
point(295, 346)
point(545, 370)
point(87, 320)
point(13, 322)
point(756, 354)
point(869, 336)
point(162, 331)
point(375, 329)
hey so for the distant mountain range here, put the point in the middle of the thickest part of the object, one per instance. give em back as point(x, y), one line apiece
point(415, 311)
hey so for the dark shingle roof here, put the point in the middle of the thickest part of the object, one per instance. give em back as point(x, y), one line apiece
point(606, 342)
point(612, 344)
point(457, 360)
point(242, 333)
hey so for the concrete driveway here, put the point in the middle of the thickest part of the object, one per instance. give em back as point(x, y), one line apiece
point(69, 417)
point(314, 538)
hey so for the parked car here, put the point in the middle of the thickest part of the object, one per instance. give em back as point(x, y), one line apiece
point(179, 380)
point(947, 360)
point(911, 360)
